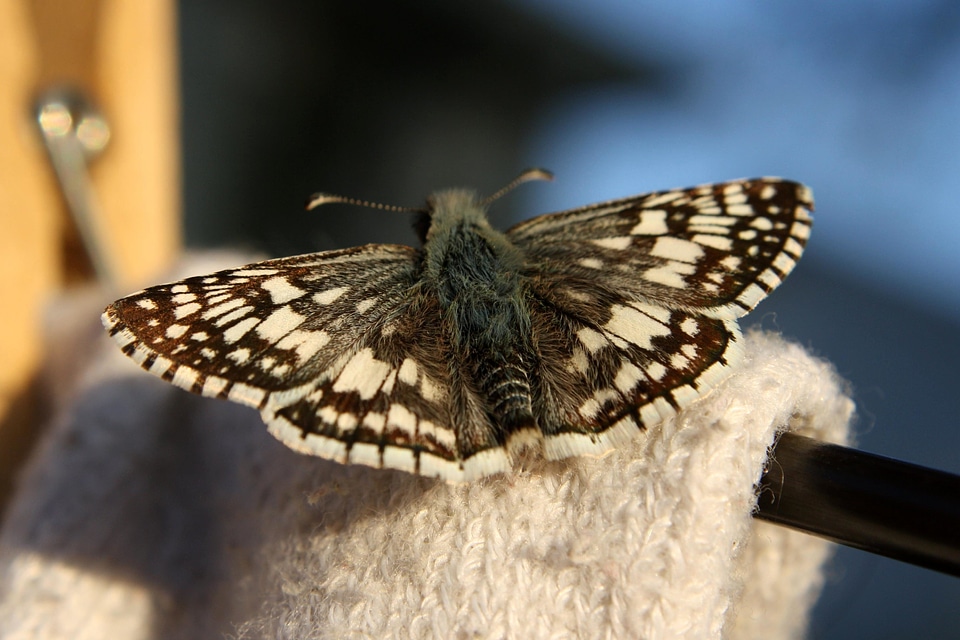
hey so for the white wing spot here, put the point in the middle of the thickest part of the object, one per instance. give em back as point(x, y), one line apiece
point(660, 314)
point(183, 298)
point(179, 288)
point(347, 422)
point(221, 309)
point(577, 295)
point(679, 361)
point(635, 327)
point(652, 223)
point(656, 371)
point(763, 224)
point(579, 362)
point(444, 436)
point(793, 247)
point(175, 331)
point(589, 409)
point(671, 274)
point(185, 378)
point(387, 387)
point(213, 385)
point(676, 249)
point(767, 192)
point(245, 394)
point(199, 336)
point(735, 200)
point(281, 291)
point(363, 374)
point(619, 243)
point(184, 310)
point(239, 330)
point(234, 315)
point(592, 340)
point(730, 263)
point(408, 372)
point(399, 417)
point(329, 296)
point(365, 305)
point(429, 389)
point(627, 377)
point(784, 263)
point(715, 229)
point(604, 396)
point(725, 221)
point(305, 343)
point(160, 366)
point(663, 198)
point(740, 210)
point(689, 327)
point(374, 421)
point(592, 263)
point(722, 243)
point(279, 323)
point(239, 355)
point(732, 189)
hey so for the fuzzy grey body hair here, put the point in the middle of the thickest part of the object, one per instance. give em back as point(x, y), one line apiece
point(475, 273)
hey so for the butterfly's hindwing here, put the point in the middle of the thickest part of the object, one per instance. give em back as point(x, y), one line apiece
point(606, 373)
point(395, 402)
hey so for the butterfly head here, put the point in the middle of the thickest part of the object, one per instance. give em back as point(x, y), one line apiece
point(447, 210)
point(454, 208)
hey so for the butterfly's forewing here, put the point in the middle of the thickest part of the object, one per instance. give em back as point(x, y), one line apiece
point(716, 249)
point(268, 327)
point(634, 302)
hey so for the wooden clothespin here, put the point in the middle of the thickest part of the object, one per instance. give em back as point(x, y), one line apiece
point(120, 56)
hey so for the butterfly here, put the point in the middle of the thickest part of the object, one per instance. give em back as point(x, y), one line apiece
point(568, 334)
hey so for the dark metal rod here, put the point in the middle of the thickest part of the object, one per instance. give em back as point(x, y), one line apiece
point(885, 506)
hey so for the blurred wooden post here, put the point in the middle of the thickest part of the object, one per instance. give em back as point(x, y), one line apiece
point(122, 56)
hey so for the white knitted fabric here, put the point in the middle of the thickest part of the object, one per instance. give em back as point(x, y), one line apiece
point(149, 513)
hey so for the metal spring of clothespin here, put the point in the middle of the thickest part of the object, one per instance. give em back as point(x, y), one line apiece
point(74, 132)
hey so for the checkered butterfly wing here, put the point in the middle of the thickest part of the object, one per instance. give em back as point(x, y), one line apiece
point(331, 347)
point(634, 302)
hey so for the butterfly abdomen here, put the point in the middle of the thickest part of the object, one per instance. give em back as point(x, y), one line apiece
point(475, 272)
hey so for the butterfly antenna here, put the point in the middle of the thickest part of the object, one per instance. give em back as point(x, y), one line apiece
point(319, 199)
point(527, 176)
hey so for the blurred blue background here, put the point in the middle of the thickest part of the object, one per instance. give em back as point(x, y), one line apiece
point(860, 100)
